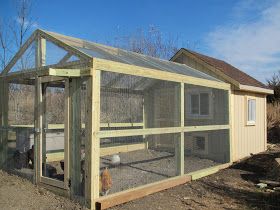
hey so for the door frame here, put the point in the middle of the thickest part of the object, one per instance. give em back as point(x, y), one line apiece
point(39, 129)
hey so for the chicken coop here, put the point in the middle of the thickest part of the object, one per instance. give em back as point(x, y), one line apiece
point(103, 125)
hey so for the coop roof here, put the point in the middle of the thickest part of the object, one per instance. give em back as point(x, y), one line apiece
point(73, 55)
point(231, 74)
point(96, 50)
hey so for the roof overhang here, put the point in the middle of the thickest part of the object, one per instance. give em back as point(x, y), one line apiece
point(220, 74)
point(255, 89)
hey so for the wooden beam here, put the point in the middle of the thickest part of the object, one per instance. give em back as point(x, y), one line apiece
point(65, 58)
point(153, 131)
point(52, 182)
point(75, 137)
point(92, 140)
point(19, 53)
point(66, 133)
point(40, 59)
point(38, 124)
point(69, 72)
point(51, 79)
point(104, 151)
point(229, 109)
point(139, 192)
point(40, 53)
point(1, 123)
point(208, 171)
point(102, 125)
point(123, 148)
point(117, 67)
point(180, 148)
point(43, 71)
point(256, 89)
point(4, 92)
point(59, 42)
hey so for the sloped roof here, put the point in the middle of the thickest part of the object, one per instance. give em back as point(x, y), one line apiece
point(123, 56)
point(228, 70)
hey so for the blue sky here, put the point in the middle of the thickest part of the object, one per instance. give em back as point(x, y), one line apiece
point(244, 33)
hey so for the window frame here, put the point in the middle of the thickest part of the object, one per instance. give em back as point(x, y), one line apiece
point(248, 121)
point(206, 139)
point(199, 91)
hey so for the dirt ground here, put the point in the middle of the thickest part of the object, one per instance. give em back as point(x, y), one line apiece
point(232, 188)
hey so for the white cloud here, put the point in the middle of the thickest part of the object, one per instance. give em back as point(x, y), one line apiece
point(253, 45)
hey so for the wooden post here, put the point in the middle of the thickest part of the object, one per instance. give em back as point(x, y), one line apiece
point(230, 122)
point(146, 142)
point(92, 141)
point(67, 133)
point(179, 146)
point(75, 136)
point(1, 123)
point(4, 92)
point(40, 54)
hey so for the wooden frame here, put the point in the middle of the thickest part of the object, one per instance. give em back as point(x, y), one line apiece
point(90, 69)
point(41, 137)
point(247, 121)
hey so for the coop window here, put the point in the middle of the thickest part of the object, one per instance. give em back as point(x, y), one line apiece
point(251, 111)
point(200, 104)
point(200, 144)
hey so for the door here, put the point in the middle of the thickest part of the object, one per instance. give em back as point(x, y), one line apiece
point(54, 146)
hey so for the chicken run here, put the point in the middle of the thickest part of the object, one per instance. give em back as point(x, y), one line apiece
point(96, 123)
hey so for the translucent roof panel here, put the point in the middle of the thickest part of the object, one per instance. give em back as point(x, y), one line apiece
point(123, 56)
point(132, 58)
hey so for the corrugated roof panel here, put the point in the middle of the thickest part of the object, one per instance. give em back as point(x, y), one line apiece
point(119, 55)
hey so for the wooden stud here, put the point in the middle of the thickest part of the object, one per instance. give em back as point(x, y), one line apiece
point(65, 58)
point(64, 45)
point(180, 148)
point(66, 134)
point(38, 123)
point(75, 137)
point(153, 131)
point(106, 65)
point(19, 53)
point(230, 119)
point(92, 139)
point(139, 192)
point(4, 91)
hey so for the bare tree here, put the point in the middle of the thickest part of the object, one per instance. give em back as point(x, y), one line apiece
point(14, 31)
point(149, 42)
point(274, 83)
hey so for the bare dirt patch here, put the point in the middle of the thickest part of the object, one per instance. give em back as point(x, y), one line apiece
point(233, 188)
point(18, 193)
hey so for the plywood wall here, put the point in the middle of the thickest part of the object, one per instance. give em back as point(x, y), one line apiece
point(248, 139)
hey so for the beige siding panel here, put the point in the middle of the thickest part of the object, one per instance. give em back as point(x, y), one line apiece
point(248, 139)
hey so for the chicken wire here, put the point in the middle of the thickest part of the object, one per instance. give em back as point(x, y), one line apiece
point(20, 133)
point(149, 160)
point(205, 106)
point(204, 149)
point(129, 99)
point(53, 130)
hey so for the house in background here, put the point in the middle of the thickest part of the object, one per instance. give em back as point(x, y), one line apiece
point(248, 102)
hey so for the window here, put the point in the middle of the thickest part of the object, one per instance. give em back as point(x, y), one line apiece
point(200, 144)
point(200, 104)
point(251, 111)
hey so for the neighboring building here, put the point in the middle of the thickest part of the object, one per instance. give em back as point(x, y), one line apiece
point(248, 101)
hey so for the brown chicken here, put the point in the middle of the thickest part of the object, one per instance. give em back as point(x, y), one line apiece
point(105, 182)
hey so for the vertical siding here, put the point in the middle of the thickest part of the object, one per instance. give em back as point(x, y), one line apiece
point(248, 139)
